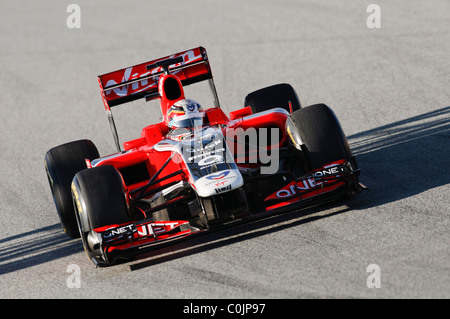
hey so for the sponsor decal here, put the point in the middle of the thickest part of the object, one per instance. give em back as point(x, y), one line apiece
point(218, 176)
point(190, 107)
point(149, 229)
point(190, 159)
point(332, 170)
point(220, 183)
point(318, 179)
point(207, 147)
point(137, 72)
point(293, 189)
point(154, 229)
point(212, 159)
point(119, 232)
point(222, 189)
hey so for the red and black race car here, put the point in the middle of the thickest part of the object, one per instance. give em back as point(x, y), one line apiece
point(198, 169)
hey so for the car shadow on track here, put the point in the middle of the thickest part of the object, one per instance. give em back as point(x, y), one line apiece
point(398, 160)
point(35, 247)
point(238, 233)
point(405, 158)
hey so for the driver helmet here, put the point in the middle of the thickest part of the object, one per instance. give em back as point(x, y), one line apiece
point(185, 113)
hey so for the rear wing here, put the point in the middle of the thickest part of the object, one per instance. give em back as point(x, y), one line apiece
point(141, 80)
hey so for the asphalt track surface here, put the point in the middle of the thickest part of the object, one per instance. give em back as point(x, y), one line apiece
point(388, 86)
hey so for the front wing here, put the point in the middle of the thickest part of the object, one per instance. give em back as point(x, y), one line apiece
point(323, 185)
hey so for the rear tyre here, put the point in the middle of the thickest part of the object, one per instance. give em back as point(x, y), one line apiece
point(99, 200)
point(61, 164)
point(318, 132)
point(279, 95)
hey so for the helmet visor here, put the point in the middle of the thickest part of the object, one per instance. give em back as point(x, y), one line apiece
point(187, 120)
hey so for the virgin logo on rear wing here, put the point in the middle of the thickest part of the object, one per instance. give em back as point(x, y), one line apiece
point(141, 80)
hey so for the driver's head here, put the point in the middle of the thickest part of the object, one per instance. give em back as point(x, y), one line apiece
point(185, 113)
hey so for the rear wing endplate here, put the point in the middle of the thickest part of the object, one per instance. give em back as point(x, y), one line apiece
point(141, 80)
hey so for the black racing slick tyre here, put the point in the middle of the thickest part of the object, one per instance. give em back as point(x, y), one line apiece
point(99, 200)
point(61, 164)
point(279, 95)
point(101, 192)
point(318, 132)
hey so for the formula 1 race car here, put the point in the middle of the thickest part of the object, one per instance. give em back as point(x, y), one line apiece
point(198, 169)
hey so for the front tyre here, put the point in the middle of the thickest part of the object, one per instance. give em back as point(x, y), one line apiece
point(316, 131)
point(99, 200)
